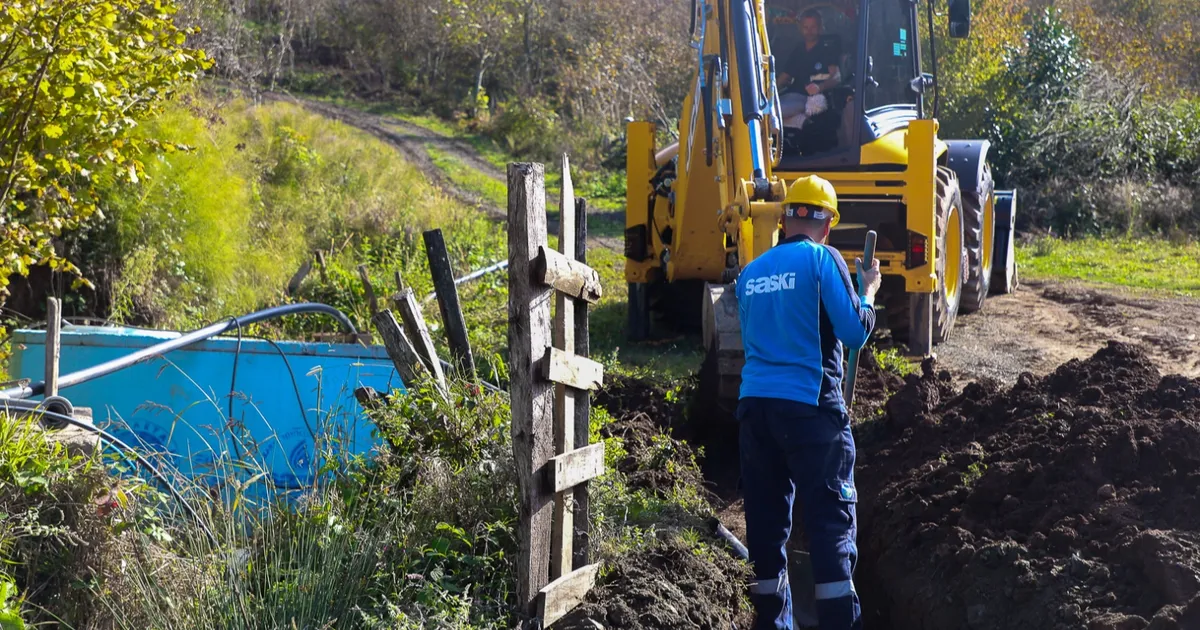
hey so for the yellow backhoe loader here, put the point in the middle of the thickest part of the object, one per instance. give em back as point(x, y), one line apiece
point(702, 208)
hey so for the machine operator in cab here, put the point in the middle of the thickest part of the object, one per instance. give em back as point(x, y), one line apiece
point(798, 307)
point(813, 66)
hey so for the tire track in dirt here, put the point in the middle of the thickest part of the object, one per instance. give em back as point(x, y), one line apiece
point(411, 139)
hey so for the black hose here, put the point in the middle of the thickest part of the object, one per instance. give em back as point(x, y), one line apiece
point(108, 367)
point(115, 441)
point(937, 90)
point(747, 61)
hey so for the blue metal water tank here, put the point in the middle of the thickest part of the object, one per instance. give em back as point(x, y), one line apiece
point(177, 405)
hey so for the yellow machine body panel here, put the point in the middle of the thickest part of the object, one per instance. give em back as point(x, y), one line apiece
point(892, 148)
point(706, 205)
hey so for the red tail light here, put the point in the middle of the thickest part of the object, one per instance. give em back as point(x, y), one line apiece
point(916, 251)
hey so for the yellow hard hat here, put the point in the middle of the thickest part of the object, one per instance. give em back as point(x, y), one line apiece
point(814, 191)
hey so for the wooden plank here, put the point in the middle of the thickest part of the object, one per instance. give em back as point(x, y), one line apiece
point(561, 596)
point(418, 333)
point(321, 267)
point(370, 291)
point(447, 296)
point(399, 348)
point(531, 398)
point(53, 344)
point(583, 521)
point(563, 533)
point(575, 467)
point(583, 420)
point(293, 285)
point(568, 275)
point(572, 371)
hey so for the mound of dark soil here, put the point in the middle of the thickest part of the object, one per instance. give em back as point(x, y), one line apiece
point(651, 420)
point(673, 585)
point(1067, 501)
point(873, 386)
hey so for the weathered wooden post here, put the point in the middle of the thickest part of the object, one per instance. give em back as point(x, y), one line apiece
point(545, 377)
point(447, 297)
point(368, 289)
point(53, 344)
point(293, 285)
point(399, 348)
point(583, 409)
point(418, 333)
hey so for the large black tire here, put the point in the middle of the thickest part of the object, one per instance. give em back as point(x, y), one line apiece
point(979, 229)
point(950, 240)
point(1004, 263)
point(909, 318)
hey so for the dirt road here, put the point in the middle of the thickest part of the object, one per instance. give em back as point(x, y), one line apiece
point(1046, 323)
point(412, 140)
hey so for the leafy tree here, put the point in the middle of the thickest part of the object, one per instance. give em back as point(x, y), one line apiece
point(75, 77)
point(482, 27)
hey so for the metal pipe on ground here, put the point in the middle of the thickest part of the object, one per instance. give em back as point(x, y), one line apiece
point(108, 367)
point(503, 264)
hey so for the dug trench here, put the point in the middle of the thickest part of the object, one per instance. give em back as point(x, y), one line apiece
point(678, 438)
point(1062, 501)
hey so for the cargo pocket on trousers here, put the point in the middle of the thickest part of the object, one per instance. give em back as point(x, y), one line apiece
point(847, 496)
point(844, 489)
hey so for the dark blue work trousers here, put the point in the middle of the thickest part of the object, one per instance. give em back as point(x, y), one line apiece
point(790, 448)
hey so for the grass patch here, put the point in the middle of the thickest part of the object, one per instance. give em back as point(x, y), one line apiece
point(469, 179)
point(221, 229)
point(674, 358)
point(1141, 263)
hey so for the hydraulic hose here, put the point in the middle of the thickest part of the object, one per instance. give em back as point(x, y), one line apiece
point(108, 367)
point(115, 441)
point(747, 61)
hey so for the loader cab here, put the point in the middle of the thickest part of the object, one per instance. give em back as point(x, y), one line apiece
point(881, 85)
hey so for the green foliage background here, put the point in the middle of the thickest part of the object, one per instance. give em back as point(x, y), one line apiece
point(76, 76)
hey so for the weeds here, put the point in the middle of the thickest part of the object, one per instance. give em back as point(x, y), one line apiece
point(973, 474)
point(419, 533)
point(893, 360)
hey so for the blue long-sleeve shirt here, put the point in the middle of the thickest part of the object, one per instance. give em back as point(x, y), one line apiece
point(797, 306)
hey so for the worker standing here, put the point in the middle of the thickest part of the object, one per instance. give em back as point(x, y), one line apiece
point(798, 307)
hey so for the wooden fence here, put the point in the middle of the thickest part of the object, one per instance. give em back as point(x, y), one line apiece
point(550, 377)
point(549, 381)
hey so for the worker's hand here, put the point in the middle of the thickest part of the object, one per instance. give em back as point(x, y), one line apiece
point(869, 278)
point(813, 89)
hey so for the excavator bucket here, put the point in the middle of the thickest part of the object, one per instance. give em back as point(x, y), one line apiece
point(723, 339)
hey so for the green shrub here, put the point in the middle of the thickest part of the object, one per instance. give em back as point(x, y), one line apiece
point(529, 128)
point(55, 523)
point(219, 231)
point(75, 80)
point(1089, 151)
